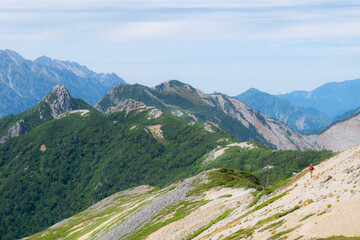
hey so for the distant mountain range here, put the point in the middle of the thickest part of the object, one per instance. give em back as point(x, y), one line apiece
point(333, 98)
point(23, 83)
point(308, 112)
point(302, 119)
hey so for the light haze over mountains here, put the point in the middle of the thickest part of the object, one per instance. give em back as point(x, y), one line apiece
point(215, 45)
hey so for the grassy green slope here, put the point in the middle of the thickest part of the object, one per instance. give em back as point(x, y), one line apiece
point(88, 158)
point(103, 216)
point(270, 166)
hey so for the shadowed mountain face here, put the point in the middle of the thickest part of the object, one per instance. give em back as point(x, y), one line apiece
point(23, 82)
point(333, 98)
point(302, 119)
point(228, 113)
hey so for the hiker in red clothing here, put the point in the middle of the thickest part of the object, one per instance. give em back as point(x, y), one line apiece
point(311, 168)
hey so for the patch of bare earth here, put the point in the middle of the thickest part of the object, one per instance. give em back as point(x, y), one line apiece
point(156, 131)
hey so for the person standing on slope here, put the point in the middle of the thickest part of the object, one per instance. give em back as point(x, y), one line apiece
point(311, 168)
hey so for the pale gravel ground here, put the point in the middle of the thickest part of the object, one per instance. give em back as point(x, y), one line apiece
point(342, 217)
point(147, 212)
point(341, 193)
point(205, 214)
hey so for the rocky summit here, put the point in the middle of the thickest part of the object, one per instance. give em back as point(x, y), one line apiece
point(57, 102)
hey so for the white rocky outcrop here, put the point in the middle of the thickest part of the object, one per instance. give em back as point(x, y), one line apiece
point(59, 100)
point(14, 131)
point(341, 136)
point(274, 131)
point(130, 105)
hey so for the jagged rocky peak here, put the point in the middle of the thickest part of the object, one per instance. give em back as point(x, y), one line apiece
point(59, 100)
point(77, 69)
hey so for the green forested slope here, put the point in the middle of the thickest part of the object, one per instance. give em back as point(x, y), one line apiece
point(88, 158)
point(40, 113)
point(64, 165)
point(183, 99)
point(268, 165)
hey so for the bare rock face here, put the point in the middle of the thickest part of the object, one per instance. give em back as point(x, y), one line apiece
point(340, 136)
point(274, 131)
point(111, 96)
point(59, 100)
point(14, 131)
point(127, 106)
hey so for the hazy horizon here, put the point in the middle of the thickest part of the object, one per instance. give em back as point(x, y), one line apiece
point(225, 46)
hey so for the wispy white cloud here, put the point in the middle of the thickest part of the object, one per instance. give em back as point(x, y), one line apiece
point(86, 4)
point(223, 34)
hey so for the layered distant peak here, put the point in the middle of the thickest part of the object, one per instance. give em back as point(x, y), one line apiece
point(9, 55)
point(299, 118)
point(77, 69)
point(333, 98)
point(252, 91)
point(44, 60)
point(59, 100)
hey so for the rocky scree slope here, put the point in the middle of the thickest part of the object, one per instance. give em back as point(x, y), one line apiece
point(23, 82)
point(305, 208)
point(225, 112)
point(57, 102)
point(141, 212)
point(340, 136)
point(233, 208)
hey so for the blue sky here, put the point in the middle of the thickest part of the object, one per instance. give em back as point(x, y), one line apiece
point(227, 46)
